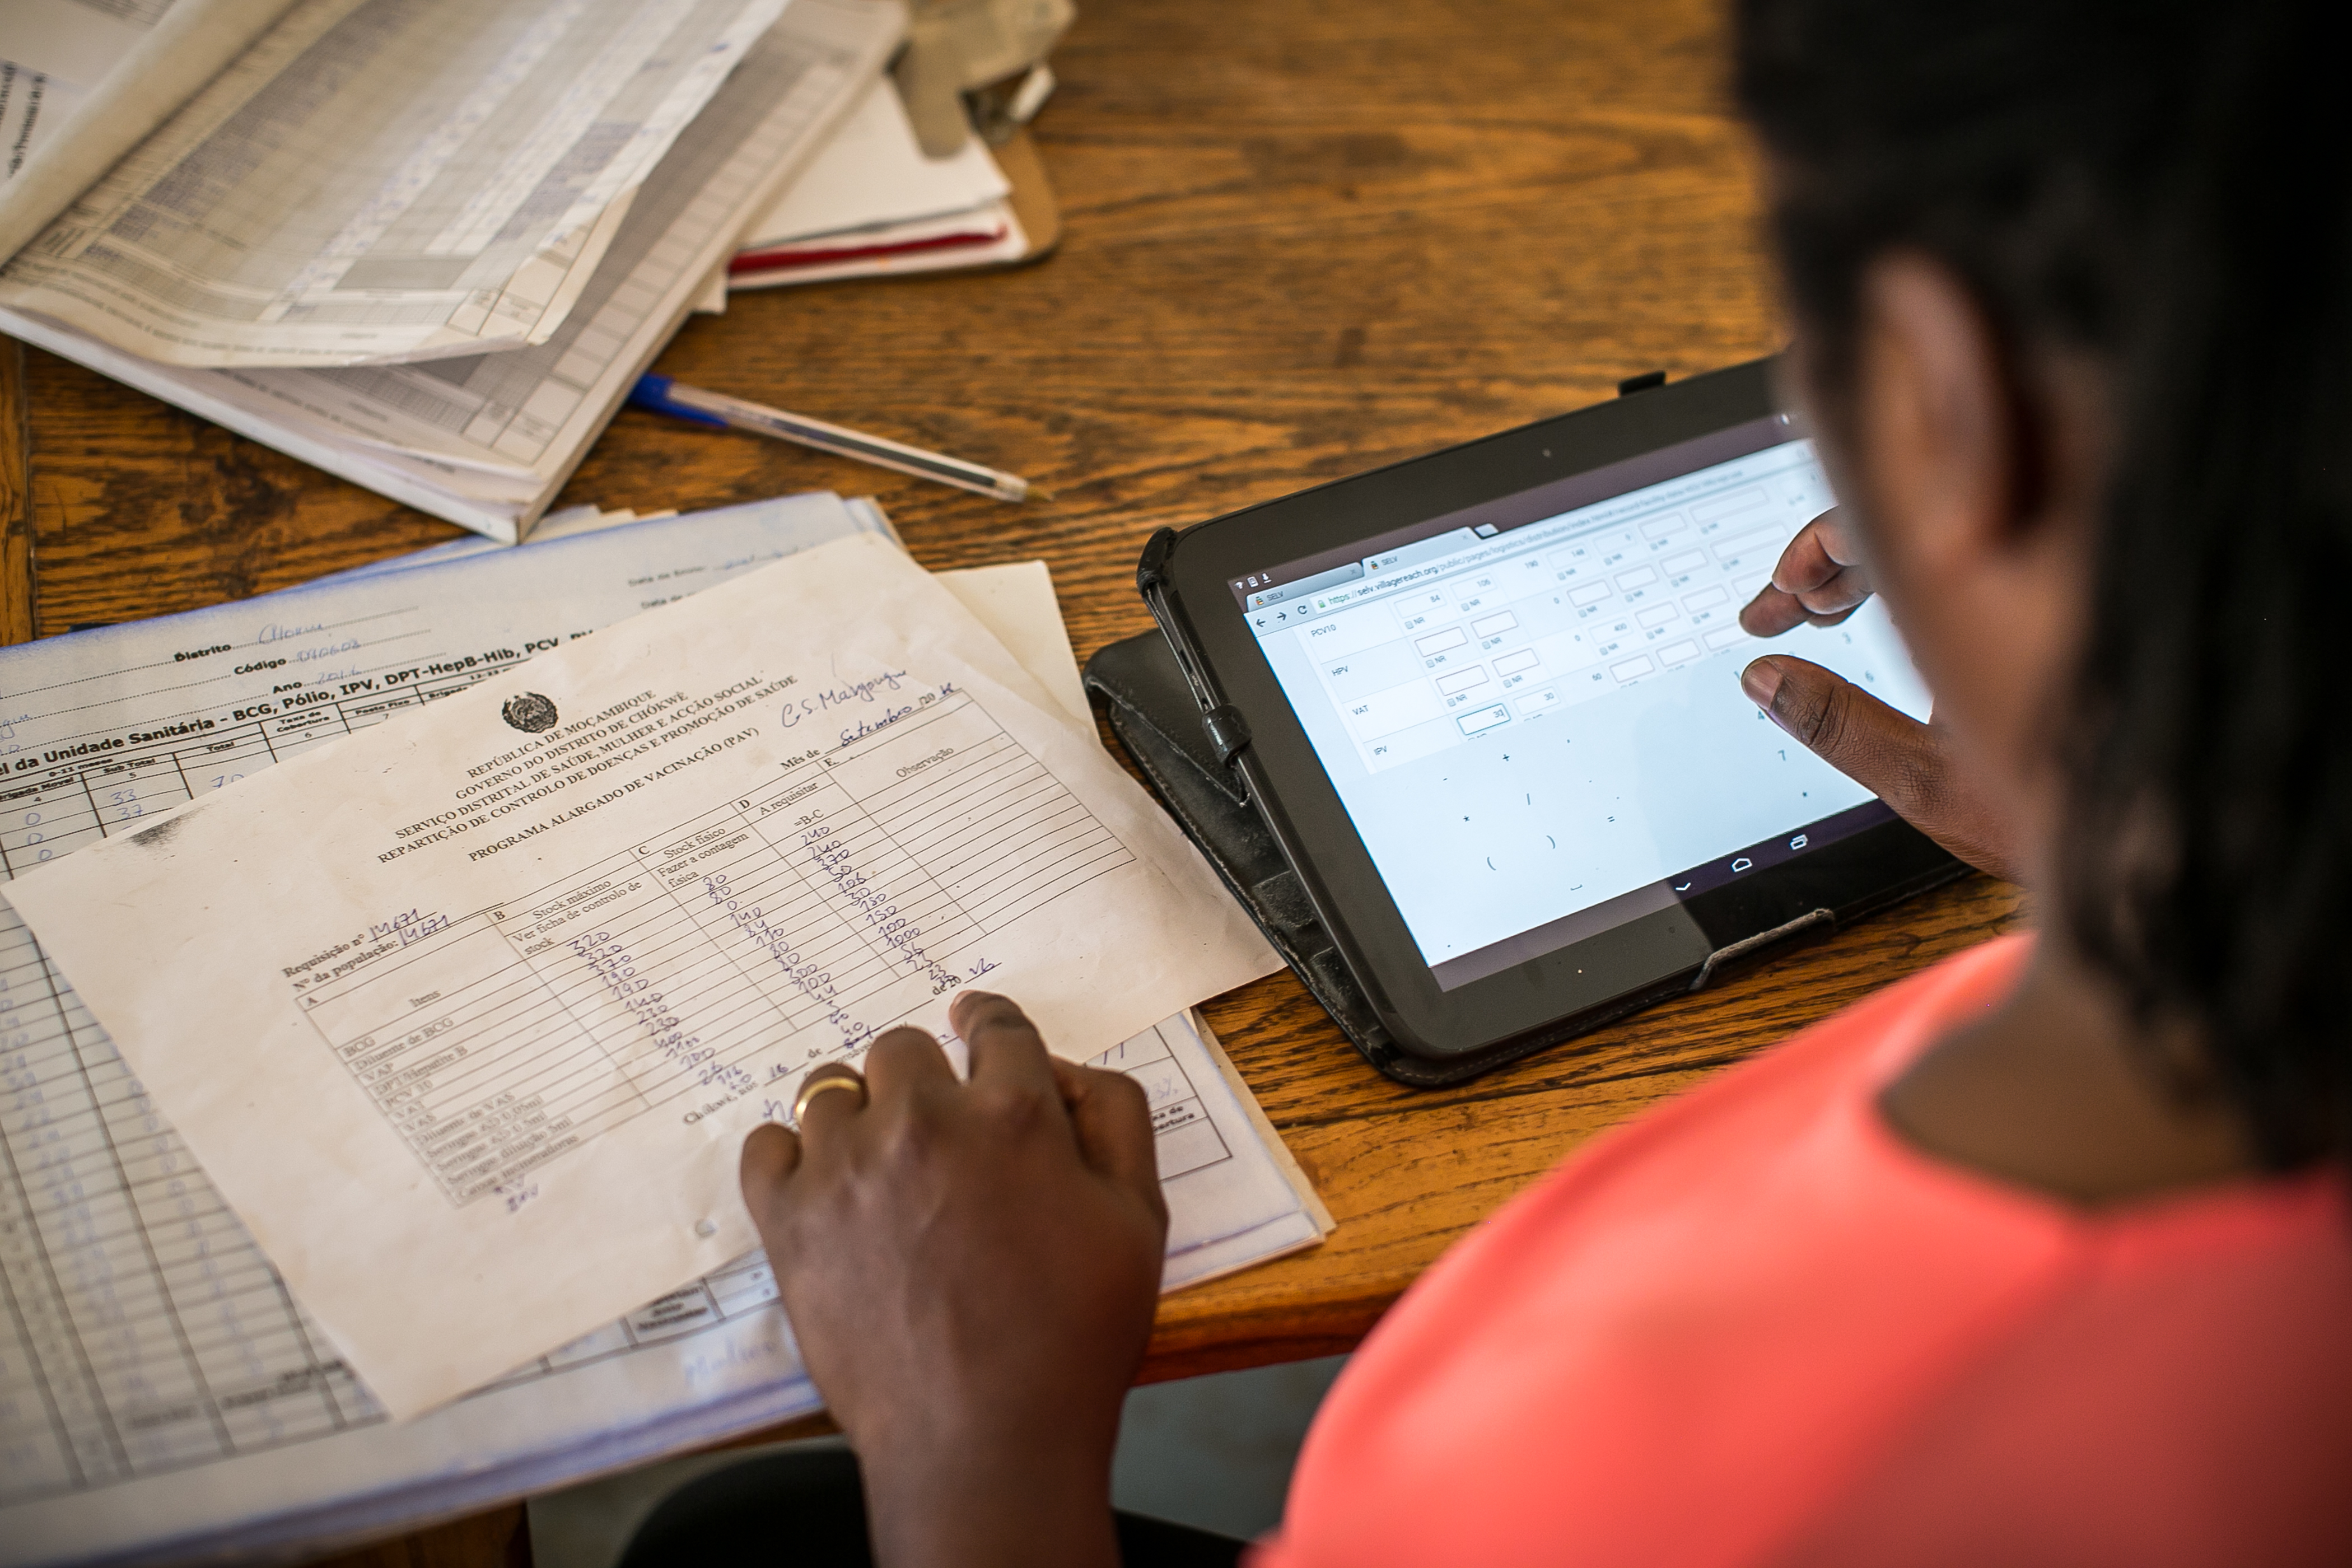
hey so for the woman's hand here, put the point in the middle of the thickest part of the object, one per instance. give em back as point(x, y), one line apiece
point(971, 1270)
point(1819, 581)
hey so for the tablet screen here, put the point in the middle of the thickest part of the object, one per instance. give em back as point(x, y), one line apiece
point(1531, 709)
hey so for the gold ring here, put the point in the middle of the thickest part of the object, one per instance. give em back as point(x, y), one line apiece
point(816, 1083)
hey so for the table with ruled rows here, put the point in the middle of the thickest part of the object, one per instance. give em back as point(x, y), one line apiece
point(149, 1332)
point(776, 930)
point(48, 811)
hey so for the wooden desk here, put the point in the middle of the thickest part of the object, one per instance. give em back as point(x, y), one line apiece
point(1301, 240)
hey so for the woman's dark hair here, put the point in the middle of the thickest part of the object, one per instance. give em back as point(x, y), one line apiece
point(2164, 188)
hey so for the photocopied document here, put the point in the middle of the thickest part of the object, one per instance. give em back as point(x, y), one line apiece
point(166, 1396)
point(32, 106)
point(131, 64)
point(76, 41)
point(51, 53)
point(307, 1455)
point(1236, 1197)
point(159, 1370)
point(383, 180)
point(552, 948)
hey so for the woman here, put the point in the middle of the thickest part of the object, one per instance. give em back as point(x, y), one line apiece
point(2041, 1256)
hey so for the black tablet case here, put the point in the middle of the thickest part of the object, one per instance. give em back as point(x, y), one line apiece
point(1153, 713)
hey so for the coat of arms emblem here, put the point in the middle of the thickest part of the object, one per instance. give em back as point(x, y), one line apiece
point(530, 712)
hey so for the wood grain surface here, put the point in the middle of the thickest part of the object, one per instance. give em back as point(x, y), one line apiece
point(15, 500)
point(1300, 239)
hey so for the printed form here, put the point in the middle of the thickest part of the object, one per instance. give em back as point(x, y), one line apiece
point(381, 180)
point(52, 54)
point(525, 970)
point(486, 440)
point(159, 1386)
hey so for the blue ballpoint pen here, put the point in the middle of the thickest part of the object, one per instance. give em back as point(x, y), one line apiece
point(661, 394)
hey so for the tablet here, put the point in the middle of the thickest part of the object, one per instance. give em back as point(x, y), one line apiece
point(1488, 702)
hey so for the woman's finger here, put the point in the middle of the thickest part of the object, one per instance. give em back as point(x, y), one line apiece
point(771, 1154)
point(1876, 746)
point(1818, 579)
point(1888, 752)
point(1112, 1117)
point(1837, 598)
point(821, 1113)
point(1820, 552)
point(1005, 1045)
point(903, 1061)
point(1770, 613)
point(1774, 611)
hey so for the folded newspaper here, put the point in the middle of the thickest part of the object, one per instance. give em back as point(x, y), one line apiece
point(426, 245)
point(168, 1398)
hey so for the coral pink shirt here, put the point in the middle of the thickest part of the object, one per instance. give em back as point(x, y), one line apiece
point(1755, 1327)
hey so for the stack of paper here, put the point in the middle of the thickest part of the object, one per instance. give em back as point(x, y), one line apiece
point(427, 245)
point(167, 1396)
point(870, 203)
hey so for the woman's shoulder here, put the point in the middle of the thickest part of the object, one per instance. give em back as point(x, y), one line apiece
point(2182, 1395)
point(1755, 1294)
